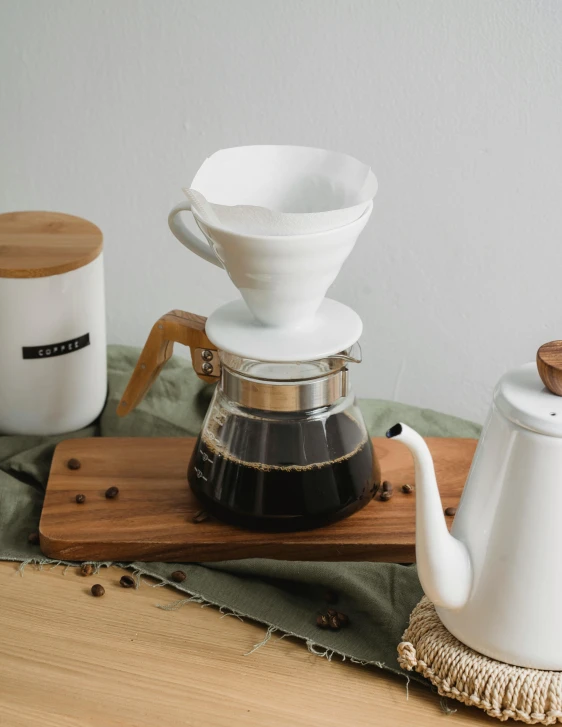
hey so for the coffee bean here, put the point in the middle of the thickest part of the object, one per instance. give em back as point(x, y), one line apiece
point(386, 495)
point(331, 596)
point(407, 489)
point(87, 569)
point(178, 576)
point(200, 517)
point(334, 623)
point(127, 581)
point(331, 612)
point(343, 618)
point(323, 621)
point(387, 486)
point(33, 538)
point(97, 590)
point(80, 499)
point(450, 510)
point(111, 492)
point(73, 464)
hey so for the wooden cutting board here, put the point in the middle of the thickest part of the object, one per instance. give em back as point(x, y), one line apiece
point(151, 519)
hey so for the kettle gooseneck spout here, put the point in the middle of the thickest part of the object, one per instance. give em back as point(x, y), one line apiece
point(443, 562)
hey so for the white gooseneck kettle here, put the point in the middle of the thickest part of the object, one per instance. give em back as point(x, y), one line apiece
point(496, 579)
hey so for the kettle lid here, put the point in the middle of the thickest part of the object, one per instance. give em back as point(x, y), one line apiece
point(529, 395)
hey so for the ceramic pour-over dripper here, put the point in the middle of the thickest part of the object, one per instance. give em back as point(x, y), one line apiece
point(281, 221)
point(281, 190)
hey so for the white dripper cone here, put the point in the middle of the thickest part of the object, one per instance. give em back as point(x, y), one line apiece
point(284, 279)
point(281, 220)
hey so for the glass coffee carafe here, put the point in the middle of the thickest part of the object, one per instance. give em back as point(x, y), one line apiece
point(283, 445)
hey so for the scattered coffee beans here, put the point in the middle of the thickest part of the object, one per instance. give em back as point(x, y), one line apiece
point(331, 596)
point(80, 499)
point(111, 492)
point(73, 464)
point(87, 569)
point(333, 620)
point(386, 493)
point(450, 510)
point(343, 618)
point(178, 576)
point(334, 623)
point(33, 538)
point(97, 590)
point(200, 517)
point(407, 489)
point(127, 581)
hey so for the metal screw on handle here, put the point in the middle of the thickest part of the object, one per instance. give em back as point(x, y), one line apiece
point(206, 362)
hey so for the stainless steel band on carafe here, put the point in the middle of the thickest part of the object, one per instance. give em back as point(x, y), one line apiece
point(287, 386)
point(285, 396)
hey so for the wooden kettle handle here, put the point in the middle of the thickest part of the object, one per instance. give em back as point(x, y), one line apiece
point(549, 364)
point(175, 327)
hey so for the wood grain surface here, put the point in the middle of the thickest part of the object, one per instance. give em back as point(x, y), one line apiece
point(70, 660)
point(549, 364)
point(151, 519)
point(38, 244)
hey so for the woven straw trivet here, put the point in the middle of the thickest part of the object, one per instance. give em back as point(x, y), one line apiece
point(501, 690)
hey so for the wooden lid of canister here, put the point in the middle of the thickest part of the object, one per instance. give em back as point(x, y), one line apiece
point(39, 244)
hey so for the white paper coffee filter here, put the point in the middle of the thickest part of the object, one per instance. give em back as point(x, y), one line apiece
point(281, 190)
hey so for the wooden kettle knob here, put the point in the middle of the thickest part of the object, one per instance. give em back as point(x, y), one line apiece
point(175, 327)
point(549, 364)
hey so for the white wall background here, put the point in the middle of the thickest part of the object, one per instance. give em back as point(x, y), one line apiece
point(108, 108)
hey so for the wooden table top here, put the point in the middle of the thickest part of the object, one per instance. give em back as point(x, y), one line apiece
point(70, 660)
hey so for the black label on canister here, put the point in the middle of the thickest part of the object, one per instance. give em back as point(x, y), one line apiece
point(56, 349)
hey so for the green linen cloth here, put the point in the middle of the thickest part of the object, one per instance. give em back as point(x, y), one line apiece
point(286, 596)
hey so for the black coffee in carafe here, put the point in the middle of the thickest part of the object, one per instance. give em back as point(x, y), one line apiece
point(295, 474)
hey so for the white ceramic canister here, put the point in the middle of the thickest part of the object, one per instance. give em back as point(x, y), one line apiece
point(53, 366)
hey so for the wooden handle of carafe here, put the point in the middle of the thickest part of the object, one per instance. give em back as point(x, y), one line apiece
point(175, 327)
